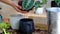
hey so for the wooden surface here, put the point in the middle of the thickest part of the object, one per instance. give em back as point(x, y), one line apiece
point(41, 26)
point(32, 14)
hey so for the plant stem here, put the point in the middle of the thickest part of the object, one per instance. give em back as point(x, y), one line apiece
point(4, 31)
point(58, 4)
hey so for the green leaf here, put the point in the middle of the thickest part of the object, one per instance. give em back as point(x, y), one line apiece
point(57, 1)
point(27, 4)
point(38, 4)
point(4, 25)
point(44, 1)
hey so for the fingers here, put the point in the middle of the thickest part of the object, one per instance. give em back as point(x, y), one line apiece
point(19, 9)
point(23, 11)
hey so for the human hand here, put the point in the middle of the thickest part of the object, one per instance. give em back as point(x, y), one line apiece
point(19, 9)
point(16, 6)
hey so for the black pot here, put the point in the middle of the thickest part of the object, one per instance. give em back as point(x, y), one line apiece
point(53, 4)
point(26, 26)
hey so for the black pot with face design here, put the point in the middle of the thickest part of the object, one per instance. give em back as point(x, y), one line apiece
point(26, 26)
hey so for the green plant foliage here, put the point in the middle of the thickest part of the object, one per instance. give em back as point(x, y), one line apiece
point(44, 1)
point(27, 4)
point(57, 1)
point(4, 27)
point(37, 4)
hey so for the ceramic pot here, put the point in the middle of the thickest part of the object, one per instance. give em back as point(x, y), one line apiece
point(14, 21)
point(39, 10)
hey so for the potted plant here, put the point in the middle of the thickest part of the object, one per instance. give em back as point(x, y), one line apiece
point(4, 27)
point(27, 5)
point(38, 6)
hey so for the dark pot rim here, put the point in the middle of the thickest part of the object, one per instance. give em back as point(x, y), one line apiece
point(26, 19)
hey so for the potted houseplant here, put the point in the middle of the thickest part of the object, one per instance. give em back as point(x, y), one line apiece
point(14, 19)
point(4, 27)
point(27, 5)
point(38, 6)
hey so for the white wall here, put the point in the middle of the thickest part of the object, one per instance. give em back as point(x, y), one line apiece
point(7, 10)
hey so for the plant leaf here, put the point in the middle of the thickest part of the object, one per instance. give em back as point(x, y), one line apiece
point(27, 4)
point(44, 1)
point(57, 1)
